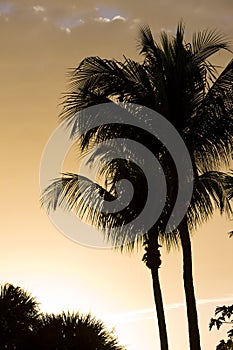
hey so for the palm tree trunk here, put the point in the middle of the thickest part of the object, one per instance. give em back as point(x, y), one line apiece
point(153, 262)
point(159, 309)
point(194, 336)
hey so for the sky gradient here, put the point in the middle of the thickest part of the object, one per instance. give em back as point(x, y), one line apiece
point(39, 42)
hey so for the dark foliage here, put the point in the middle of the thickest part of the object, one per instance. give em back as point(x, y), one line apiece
point(226, 317)
point(24, 327)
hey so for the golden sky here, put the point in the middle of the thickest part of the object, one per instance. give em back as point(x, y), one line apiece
point(39, 41)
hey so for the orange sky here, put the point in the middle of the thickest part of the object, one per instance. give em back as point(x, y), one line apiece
point(39, 41)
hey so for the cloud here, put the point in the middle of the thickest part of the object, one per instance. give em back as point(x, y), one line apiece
point(108, 11)
point(215, 300)
point(102, 19)
point(68, 23)
point(66, 29)
point(38, 8)
point(107, 20)
point(119, 18)
point(150, 313)
point(196, 14)
point(48, 22)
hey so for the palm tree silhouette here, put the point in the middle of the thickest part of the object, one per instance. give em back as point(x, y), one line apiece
point(69, 331)
point(19, 315)
point(177, 80)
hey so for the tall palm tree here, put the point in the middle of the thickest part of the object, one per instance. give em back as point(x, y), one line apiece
point(68, 331)
point(177, 80)
point(19, 315)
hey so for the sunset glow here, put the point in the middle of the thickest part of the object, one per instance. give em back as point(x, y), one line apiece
point(39, 42)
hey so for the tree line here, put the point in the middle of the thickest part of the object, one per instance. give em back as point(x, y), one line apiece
point(24, 327)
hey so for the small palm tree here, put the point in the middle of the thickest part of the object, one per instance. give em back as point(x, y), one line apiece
point(68, 331)
point(19, 315)
point(177, 80)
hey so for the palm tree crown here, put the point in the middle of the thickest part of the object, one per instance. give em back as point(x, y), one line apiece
point(73, 331)
point(19, 314)
point(175, 79)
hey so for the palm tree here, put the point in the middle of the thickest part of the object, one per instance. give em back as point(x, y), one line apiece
point(68, 331)
point(177, 80)
point(19, 315)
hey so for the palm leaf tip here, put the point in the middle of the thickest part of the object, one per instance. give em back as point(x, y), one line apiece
point(210, 39)
point(77, 193)
point(145, 41)
point(180, 31)
point(51, 195)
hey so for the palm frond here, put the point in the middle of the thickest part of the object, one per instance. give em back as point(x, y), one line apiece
point(93, 126)
point(75, 101)
point(222, 87)
point(87, 200)
point(170, 241)
point(146, 42)
point(207, 42)
point(228, 184)
point(204, 45)
point(75, 330)
point(136, 73)
point(98, 80)
point(74, 192)
point(212, 142)
point(210, 193)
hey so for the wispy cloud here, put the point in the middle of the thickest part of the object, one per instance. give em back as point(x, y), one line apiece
point(69, 22)
point(150, 313)
point(108, 14)
point(215, 300)
point(106, 19)
point(102, 19)
point(38, 8)
point(119, 18)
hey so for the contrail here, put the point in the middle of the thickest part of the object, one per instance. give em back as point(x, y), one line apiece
point(150, 313)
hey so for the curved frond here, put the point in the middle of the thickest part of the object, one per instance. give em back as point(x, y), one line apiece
point(228, 184)
point(211, 138)
point(98, 80)
point(146, 42)
point(210, 193)
point(77, 193)
point(75, 101)
point(207, 42)
point(87, 200)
